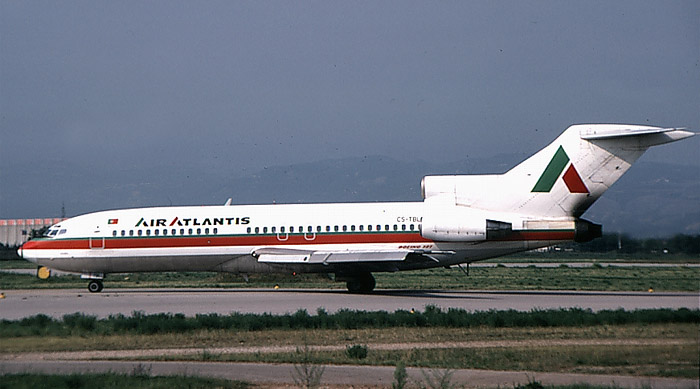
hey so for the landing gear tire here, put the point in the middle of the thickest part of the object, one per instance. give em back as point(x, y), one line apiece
point(364, 283)
point(95, 286)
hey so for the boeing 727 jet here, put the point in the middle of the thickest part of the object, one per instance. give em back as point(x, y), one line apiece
point(462, 219)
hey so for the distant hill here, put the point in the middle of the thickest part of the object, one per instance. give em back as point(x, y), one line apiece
point(651, 200)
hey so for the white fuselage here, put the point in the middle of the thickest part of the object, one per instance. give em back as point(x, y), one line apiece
point(224, 238)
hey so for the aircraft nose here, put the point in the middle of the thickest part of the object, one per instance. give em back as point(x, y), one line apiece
point(19, 251)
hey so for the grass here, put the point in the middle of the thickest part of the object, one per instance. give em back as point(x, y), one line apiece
point(112, 380)
point(679, 361)
point(598, 278)
point(432, 316)
point(206, 339)
point(16, 264)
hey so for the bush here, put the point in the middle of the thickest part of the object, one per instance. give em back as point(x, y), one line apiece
point(140, 323)
point(357, 351)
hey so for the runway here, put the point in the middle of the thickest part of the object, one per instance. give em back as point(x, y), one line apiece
point(58, 302)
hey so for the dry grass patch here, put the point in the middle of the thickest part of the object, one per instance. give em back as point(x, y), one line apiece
point(229, 338)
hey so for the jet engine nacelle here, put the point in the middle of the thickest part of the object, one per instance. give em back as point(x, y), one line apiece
point(457, 224)
point(453, 230)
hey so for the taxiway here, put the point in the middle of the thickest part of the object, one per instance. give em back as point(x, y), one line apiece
point(58, 302)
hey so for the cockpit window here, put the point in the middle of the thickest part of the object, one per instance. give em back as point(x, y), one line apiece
point(52, 232)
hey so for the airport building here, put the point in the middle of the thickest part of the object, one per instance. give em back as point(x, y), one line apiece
point(14, 232)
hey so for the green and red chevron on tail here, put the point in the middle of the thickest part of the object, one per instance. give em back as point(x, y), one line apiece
point(552, 172)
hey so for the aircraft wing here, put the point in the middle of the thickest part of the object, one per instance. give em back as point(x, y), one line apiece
point(295, 256)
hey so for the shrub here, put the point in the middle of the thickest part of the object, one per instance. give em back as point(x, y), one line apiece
point(357, 351)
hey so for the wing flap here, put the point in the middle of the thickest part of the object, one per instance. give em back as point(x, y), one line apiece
point(293, 256)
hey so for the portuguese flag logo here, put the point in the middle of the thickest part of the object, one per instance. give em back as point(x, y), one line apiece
point(556, 166)
point(112, 221)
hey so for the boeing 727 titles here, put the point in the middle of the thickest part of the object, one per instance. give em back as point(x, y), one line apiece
point(462, 219)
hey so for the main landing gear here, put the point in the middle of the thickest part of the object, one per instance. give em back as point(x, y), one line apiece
point(95, 283)
point(95, 286)
point(361, 283)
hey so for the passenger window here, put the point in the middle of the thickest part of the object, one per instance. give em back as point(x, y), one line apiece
point(131, 232)
point(248, 230)
point(173, 232)
point(282, 230)
point(379, 227)
point(412, 226)
point(396, 228)
point(362, 228)
point(273, 229)
point(264, 230)
point(216, 231)
point(328, 228)
point(257, 230)
point(352, 227)
point(291, 229)
point(318, 228)
point(206, 231)
point(156, 232)
point(165, 232)
point(182, 231)
point(189, 231)
point(199, 231)
point(336, 228)
point(403, 227)
point(148, 232)
point(345, 228)
point(140, 232)
point(309, 229)
point(369, 228)
point(123, 233)
point(114, 233)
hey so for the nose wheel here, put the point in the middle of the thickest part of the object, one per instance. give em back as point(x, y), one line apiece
point(95, 286)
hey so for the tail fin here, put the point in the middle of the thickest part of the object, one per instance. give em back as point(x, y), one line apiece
point(561, 180)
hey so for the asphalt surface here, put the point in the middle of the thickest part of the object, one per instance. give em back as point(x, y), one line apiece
point(17, 304)
point(276, 375)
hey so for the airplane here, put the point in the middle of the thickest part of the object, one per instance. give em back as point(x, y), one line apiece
point(462, 219)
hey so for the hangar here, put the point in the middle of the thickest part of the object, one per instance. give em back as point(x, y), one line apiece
point(14, 232)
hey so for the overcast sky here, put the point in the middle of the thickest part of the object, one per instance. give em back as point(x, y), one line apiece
point(221, 84)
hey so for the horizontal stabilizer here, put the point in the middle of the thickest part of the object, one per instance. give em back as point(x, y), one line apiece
point(615, 132)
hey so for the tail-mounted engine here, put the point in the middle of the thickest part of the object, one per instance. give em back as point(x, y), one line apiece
point(461, 225)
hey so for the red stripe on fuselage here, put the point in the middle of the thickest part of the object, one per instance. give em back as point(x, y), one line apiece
point(214, 241)
point(266, 240)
